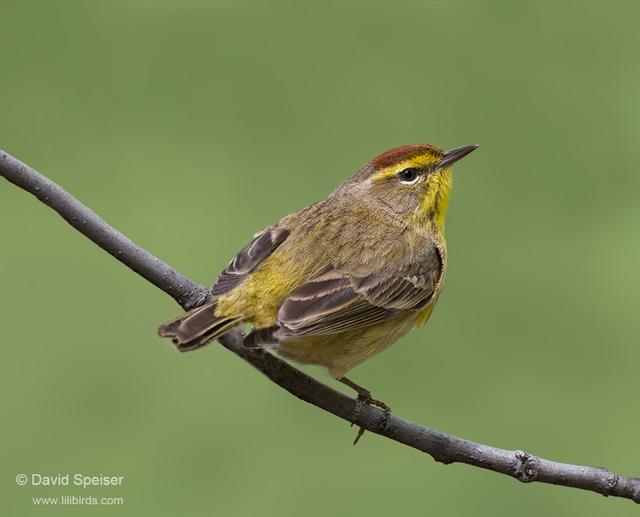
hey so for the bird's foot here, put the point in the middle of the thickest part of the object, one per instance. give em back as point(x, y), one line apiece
point(364, 399)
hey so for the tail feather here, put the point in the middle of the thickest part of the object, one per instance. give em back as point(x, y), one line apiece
point(262, 338)
point(196, 328)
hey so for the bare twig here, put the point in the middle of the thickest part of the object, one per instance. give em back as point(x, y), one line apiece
point(443, 447)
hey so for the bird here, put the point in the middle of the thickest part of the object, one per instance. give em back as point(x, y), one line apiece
point(339, 281)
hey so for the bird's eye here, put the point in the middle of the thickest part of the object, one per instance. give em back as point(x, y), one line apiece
point(408, 176)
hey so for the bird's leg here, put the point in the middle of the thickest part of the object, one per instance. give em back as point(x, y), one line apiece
point(364, 397)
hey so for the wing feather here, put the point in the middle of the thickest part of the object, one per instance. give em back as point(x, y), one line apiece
point(335, 300)
point(249, 258)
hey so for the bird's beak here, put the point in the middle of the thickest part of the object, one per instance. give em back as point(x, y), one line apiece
point(452, 156)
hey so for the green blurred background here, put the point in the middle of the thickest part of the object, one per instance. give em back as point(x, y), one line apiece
point(191, 125)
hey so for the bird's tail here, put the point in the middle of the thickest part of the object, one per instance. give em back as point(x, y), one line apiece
point(196, 328)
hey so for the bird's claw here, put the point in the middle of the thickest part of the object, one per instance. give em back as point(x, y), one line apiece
point(365, 398)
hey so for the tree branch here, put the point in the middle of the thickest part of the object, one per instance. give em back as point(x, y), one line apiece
point(443, 447)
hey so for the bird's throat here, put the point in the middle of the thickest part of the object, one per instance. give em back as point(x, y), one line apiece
point(433, 208)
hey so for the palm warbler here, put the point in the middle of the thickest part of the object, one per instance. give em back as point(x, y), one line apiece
point(339, 281)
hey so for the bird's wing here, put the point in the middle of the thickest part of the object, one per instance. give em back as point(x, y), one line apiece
point(249, 258)
point(335, 301)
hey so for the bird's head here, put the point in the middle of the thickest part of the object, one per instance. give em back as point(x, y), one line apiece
point(413, 181)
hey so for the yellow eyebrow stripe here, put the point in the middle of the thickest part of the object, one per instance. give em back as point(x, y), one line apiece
point(392, 170)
